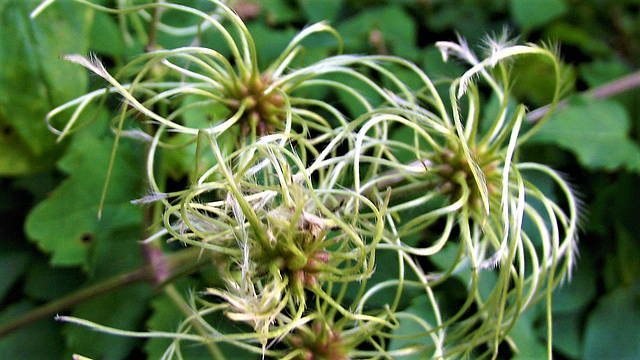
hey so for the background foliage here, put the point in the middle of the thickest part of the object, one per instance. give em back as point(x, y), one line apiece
point(53, 243)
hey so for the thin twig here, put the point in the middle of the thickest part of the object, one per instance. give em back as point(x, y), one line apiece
point(145, 274)
point(607, 90)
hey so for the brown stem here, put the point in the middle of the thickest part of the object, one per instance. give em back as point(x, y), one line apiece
point(607, 90)
point(189, 258)
point(153, 27)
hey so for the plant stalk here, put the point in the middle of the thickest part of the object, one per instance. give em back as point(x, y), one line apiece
point(146, 274)
point(602, 92)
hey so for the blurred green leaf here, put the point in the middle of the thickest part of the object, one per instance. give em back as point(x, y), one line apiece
point(567, 334)
point(381, 30)
point(122, 309)
point(16, 158)
point(464, 17)
point(167, 316)
point(524, 337)
point(279, 11)
point(37, 341)
point(600, 72)
point(536, 80)
point(628, 256)
point(597, 132)
point(269, 42)
point(33, 79)
point(409, 332)
point(47, 283)
point(613, 326)
point(321, 10)
point(66, 223)
point(567, 34)
point(531, 14)
point(580, 291)
point(437, 68)
point(105, 36)
point(12, 265)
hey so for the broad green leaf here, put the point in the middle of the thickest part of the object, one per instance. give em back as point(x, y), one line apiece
point(396, 32)
point(535, 81)
point(524, 337)
point(105, 36)
point(410, 334)
point(33, 79)
point(279, 11)
point(437, 68)
point(321, 10)
point(122, 309)
point(44, 282)
point(628, 256)
point(12, 265)
point(567, 334)
point(531, 14)
point(16, 158)
point(167, 316)
point(580, 291)
point(597, 132)
point(66, 223)
point(570, 35)
point(180, 162)
point(38, 341)
point(600, 72)
point(465, 18)
point(269, 42)
point(613, 326)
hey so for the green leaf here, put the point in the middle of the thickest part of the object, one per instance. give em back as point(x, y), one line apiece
point(527, 343)
point(567, 334)
point(531, 14)
point(269, 42)
point(33, 79)
point(16, 158)
point(105, 36)
point(409, 333)
point(437, 68)
point(535, 81)
point(319, 10)
point(628, 256)
point(167, 316)
point(123, 309)
point(613, 326)
point(465, 17)
point(180, 162)
point(12, 265)
point(578, 293)
point(597, 132)
point(47, 283)
point(567, 34)
point(38, 341)
point(279, 11)
point(600, 72)
point(397, 32)
point(66, 223)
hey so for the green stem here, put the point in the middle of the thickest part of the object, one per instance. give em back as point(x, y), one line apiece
point(144, 274)
point(172, 293)
point(153, 27)
point(602, 92)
